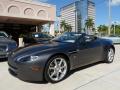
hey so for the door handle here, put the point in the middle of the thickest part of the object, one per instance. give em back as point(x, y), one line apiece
point(75, 51)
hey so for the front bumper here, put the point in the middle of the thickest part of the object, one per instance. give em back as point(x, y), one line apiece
point(4, 54)
point(27, 71)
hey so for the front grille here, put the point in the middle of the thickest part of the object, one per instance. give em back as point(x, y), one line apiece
point(2, 56)
point(3, 47)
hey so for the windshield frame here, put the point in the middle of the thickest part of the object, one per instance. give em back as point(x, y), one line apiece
point(57, 39)
point(5, 34)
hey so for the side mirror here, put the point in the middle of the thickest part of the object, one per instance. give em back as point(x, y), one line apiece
point(88, 39)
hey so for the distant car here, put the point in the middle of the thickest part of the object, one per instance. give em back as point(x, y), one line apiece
point(6, 44)
point(52, 61)
point(114, 38)
point(37, 37)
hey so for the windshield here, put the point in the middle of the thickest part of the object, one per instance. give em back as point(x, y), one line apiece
point(68, 37)
point(3, 35)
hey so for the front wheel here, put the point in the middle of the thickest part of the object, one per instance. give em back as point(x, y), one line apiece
point(110, 55)
point(56, 69)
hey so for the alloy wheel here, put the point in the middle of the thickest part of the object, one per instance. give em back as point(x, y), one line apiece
point(110, 55)
point(57, 69)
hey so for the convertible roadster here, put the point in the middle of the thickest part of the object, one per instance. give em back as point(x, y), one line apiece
point(52, 60)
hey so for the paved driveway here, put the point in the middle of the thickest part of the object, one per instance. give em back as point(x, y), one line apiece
point(100, 76)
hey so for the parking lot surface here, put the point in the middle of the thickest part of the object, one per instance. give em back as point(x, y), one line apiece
point(100, 76)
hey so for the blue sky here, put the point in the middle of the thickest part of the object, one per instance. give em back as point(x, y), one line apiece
point(101, 9)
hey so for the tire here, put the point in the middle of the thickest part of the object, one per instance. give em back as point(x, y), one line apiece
point(110, 55)
point(56, 69)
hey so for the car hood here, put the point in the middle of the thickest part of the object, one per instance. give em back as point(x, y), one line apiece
point(28, 50)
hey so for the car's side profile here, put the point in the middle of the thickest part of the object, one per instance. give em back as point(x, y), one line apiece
point(52, 60)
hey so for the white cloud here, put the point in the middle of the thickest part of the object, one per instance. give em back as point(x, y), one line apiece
point(115, 2)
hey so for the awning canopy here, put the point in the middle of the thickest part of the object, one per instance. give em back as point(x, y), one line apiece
point(16, 20)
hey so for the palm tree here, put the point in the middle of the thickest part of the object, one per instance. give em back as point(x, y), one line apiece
point(117, 30)
point(65, 26)
point(89, 24)
point(103, 29)
point(113, 29)
point(68, 28)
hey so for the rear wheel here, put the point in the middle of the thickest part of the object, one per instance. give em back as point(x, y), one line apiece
point(110, 55)
point(56, 69)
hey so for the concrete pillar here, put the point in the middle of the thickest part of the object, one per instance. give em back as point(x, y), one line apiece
point(52, 30)
point(21, 43)
point(37, 28)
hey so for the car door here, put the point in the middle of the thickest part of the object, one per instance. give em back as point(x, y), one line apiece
point(89, 50)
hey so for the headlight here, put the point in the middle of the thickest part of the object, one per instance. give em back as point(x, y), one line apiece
point(34, 58)
point(7, 48)
point(28, 58)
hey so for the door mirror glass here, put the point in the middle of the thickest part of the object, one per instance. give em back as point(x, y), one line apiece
point(90, 38)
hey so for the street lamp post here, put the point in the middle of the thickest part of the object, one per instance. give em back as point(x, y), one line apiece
point(109, 28)
point(114, 27)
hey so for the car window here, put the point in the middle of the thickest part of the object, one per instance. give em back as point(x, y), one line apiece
point(2, 34)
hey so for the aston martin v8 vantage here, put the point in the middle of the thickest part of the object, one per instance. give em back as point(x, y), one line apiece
point(52, 60)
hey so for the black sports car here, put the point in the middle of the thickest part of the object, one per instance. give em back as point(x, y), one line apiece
point(7, 45)
point(52, 60)
point(36, 37)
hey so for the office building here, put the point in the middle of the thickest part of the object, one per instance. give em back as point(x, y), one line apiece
point(77, 13)
point(72, 15)
point(91, 10)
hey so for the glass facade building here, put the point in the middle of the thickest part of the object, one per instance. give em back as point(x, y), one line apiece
point(77, 13)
